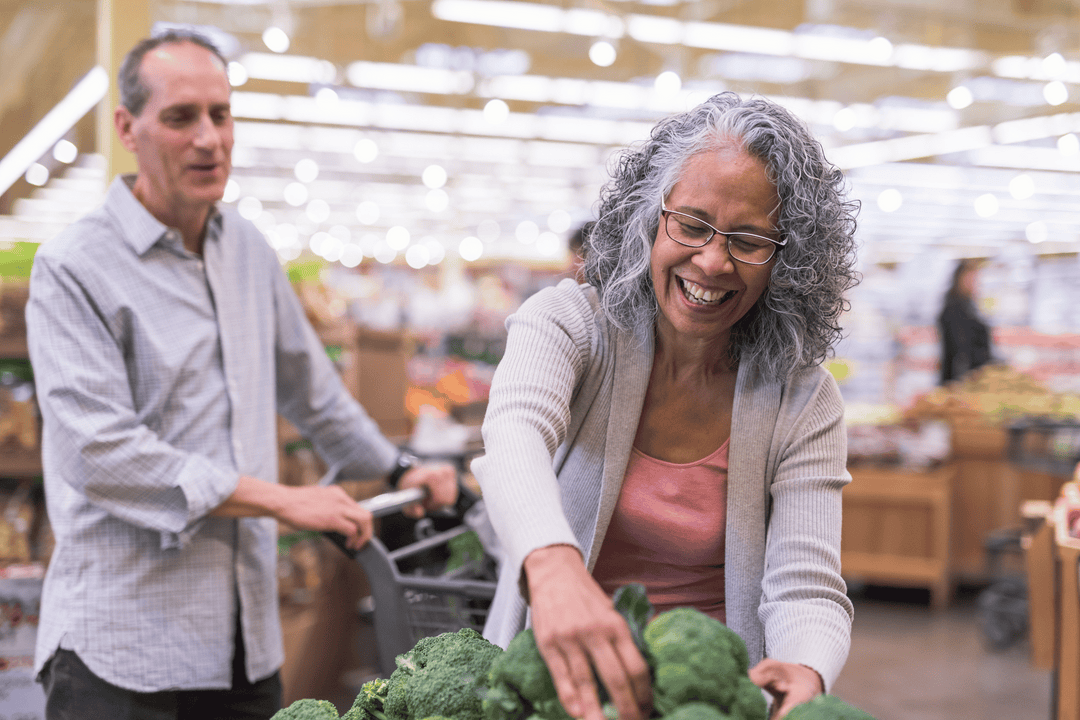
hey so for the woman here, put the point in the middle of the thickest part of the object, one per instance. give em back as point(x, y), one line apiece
point(669, 423)
point(965, 338)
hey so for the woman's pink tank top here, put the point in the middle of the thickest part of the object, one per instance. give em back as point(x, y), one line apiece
point(667, 533)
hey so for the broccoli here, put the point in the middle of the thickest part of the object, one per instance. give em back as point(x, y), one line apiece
point(827, 707)
point(696, 711)
point(369, 702)
point(696, 658)
point(520, 685)
point(442, 675)
point(308, 709)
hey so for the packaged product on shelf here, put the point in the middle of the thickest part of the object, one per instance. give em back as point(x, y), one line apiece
point(17, 513)
point(18, 411)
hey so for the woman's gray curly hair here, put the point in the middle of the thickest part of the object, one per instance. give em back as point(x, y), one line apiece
point(796, 322)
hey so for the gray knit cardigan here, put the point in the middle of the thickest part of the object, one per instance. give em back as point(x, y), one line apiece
point(560, 424)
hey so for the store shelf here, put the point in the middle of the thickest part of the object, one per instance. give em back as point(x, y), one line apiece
point(20, 463)
point(896, 529)
point(14, 346)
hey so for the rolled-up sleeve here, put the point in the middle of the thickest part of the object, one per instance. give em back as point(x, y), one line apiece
point(100, 447)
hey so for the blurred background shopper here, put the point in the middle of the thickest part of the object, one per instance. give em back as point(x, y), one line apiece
point(965, 338)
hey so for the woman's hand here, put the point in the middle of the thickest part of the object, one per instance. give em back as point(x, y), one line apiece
point(789, 684)
point(577, 629)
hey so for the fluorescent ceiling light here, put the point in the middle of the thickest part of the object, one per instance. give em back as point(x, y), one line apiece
point(288, 68)
point(1023, 157)
point(87, 93)
point(524, 16)
point(712, 36)
point(1033, 68)
point(409, 78)
point(659, 30)
point(1036, 128)
point(738, 38)
point(910, 147)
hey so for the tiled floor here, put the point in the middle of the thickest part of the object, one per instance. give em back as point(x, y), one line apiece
point(909, 662)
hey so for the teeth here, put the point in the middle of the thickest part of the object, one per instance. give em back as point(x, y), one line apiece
point(700, 294)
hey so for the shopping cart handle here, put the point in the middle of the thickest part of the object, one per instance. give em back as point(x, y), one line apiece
point(391, 502)
point(379, 506)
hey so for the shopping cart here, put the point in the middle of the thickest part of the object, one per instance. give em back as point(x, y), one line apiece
point(418, 587)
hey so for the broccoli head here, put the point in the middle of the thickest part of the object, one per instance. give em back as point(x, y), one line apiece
point(308, 709)
point(827, 707)
point(520, 685)
point(749, 702)
point(443, 675)
point(370, 701)
point(695, 658)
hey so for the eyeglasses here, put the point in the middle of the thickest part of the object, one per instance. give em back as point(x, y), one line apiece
point(693, 232)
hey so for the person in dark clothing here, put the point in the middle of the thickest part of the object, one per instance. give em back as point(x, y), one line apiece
point(965, 338)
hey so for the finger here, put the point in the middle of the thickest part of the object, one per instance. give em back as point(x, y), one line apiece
point(564, 685)
point(362, 527)
point(584, 686)
point(614, 676)
point(637, 671)
point(414, 511)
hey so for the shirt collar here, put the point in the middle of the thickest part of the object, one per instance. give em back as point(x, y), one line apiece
point(139, 228)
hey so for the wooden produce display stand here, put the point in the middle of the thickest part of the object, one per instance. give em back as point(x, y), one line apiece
point(896, 528)
point(1053, 572)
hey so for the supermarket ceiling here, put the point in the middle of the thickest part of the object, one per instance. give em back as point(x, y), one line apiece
point(396, 120)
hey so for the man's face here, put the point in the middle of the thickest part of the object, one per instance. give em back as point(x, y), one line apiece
point(183, 138)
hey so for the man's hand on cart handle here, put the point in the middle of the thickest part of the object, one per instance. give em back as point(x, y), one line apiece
point(310, 507)
point(439, 480)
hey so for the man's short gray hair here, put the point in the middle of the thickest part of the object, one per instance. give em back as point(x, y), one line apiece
point(134, 93)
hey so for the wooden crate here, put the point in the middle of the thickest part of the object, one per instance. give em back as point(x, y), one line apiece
point(896, 529)
point(1068, 620)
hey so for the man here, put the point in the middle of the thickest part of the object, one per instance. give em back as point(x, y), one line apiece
point(165, 338)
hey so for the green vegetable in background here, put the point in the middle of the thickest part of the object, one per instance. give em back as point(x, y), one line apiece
point(827, 707)
point(308, 710)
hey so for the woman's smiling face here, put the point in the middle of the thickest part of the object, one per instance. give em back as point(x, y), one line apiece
point(702, 292)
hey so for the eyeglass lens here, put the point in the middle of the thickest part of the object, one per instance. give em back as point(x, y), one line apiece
point(689, 231)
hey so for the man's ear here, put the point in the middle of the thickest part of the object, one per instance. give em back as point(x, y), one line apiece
point(123, 121)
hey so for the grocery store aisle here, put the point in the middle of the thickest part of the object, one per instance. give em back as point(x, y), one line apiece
point(909, 662)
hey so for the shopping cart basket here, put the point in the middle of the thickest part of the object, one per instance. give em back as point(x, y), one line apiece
point(415, 594)
point(1046, 446)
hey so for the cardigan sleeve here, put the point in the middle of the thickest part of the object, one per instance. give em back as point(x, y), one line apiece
point(550, 340)
point(804, 608)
